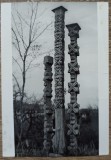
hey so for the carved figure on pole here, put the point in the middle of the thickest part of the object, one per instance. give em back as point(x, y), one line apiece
point(73, 106)
point(59, 80)
point(48, 122)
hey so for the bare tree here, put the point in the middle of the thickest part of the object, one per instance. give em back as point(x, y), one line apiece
point(25, 32)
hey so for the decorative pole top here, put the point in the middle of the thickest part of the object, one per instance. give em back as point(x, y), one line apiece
point(73, 25)
point(73, 29)
point(59, 8)
point(48, 59)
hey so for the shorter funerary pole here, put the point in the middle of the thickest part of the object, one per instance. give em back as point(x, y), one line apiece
point(73, 88)
point(48, 122)
point(59, 143)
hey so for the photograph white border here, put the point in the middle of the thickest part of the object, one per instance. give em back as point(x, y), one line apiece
point(8, 146)
point(103, 76)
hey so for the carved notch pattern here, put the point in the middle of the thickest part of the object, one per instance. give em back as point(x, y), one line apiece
point(48, 122)
point(59, 58)
point(73, 88)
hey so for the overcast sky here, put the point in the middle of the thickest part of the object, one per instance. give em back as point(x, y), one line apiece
point(85, 14)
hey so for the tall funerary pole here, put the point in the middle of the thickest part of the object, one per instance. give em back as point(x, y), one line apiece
point(48, 122)
point(59, 80)
point(73, 106)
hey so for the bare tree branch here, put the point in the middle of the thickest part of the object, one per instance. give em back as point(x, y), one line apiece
point(17, 83)
point(36, 9)
point(20, 35)
point(17, 63)
point(23, 19)
point(17, 44)
point(29, 65)
point(35, 38)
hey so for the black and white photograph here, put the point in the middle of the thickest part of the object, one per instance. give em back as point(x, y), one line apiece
point(55, 80)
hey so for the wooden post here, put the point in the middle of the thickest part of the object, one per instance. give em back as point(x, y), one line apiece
point(59, 80)
point(73, 106)
point(48, 122)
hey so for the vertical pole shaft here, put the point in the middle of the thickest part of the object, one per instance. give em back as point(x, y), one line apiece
point(73, 88)
point(59, 80)
point(48, 123)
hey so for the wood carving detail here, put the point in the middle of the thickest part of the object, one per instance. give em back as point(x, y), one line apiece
point(73, 88)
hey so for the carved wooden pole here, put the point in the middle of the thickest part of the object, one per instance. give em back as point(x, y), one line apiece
point(59, 80)
point(48, 123)
point(73, 106)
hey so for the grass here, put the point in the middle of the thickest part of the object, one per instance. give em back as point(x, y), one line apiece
point(87, 150)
